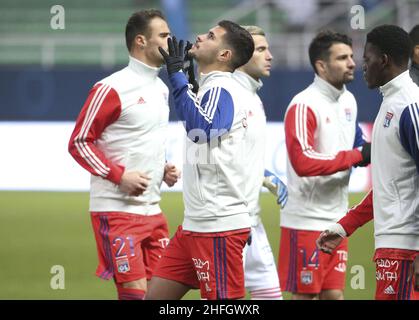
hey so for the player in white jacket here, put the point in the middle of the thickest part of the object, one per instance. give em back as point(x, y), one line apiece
point(119, 137)
point(261, 275)
point(207, 250)
point(323, 141)
point(393, 202)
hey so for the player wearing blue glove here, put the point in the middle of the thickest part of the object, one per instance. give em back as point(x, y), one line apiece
point(276, 187)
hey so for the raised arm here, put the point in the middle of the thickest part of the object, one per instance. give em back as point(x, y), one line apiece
point(210, 117)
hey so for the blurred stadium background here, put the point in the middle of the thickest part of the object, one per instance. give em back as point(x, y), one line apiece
point(46, 75)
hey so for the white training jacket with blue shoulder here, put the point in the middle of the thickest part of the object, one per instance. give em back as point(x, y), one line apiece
point(395, 142)
point(393, 202)
point(214, 176)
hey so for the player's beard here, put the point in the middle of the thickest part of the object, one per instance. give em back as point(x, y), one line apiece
point(159, 59)
point(192, 51)
point(348, 77)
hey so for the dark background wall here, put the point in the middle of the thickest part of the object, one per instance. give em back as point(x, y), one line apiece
point(34, 94)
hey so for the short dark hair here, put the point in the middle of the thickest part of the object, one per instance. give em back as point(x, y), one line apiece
point(320, 45)
point(240, 41)
point(414, 37)
point(392, 41)
point(139, 23)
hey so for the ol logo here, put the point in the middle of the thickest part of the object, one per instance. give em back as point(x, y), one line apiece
point(123, 265)
point(387, 119)
point(307, 277)
point(348, 114)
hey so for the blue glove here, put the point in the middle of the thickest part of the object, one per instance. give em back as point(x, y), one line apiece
point(282, 192)
point(276, 187)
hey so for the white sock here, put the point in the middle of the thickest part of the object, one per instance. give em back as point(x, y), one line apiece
point(267, 294)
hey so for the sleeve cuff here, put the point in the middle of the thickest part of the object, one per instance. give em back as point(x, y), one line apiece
point(115, 174)
point(346, 226)
point(338, 228)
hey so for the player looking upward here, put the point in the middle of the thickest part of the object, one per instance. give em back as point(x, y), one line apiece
point(206, 251)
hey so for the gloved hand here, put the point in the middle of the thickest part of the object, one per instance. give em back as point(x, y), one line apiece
point(366, 155)
point(188, 68)
point(277, 188)
point(174, 60)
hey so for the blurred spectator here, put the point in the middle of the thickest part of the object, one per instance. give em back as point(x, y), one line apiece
point(297, 11)
point(177, 17)
point(369, 4)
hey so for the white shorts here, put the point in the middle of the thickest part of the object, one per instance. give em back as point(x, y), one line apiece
point(259, 264)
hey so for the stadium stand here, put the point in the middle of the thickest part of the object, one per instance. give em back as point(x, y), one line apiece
point(93, 29)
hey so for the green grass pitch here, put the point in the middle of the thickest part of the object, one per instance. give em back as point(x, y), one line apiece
point(42, 229)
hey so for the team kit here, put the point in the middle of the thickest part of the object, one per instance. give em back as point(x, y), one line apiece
point(221, 248)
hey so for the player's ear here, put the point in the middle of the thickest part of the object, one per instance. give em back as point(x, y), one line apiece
point(385, 60)
point(140, 41)
point(225, 55)
point(416, 50)
point(320, 66)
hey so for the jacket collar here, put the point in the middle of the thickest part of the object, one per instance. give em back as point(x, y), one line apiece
point(327, 89)
point(247, 81)
point(395, 84)
point(203, 77)
point(142, 69)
